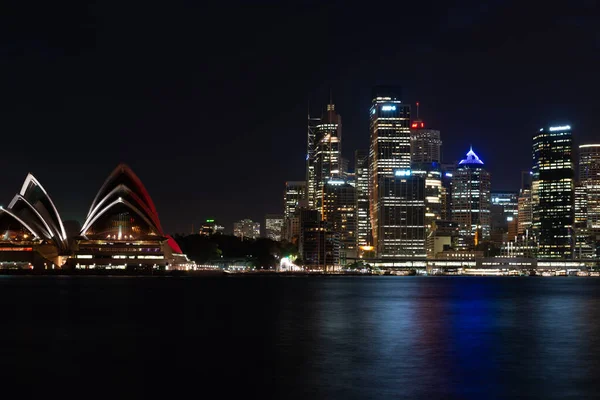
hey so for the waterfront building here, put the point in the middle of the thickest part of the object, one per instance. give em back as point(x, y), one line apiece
point(525, 212)
point(274, 227)
point(471, 201)
point(363, 220)
point(246, 229)
point(589, 177)
point(122, 229)
point(319, 245)
point(32, 232)
point(584, 238)
point(340, 212)
point(402, 231)
point(389, 154)
point(553, 191)
point(444, 237)
point(504, 213)
point(431, 173)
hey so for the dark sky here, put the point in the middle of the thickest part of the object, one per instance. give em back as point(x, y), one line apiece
point(208, 103)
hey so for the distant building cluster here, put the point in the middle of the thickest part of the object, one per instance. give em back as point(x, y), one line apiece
point(246, 229)
point(403, 202)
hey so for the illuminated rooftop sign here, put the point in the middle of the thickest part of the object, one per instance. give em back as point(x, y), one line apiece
point(403, 172)
point(388, 108)
point(335, 182)
point(560, 128)
point(210, 220)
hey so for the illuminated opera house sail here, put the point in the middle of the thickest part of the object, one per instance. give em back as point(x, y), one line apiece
point(122, 229)
point(32, 232)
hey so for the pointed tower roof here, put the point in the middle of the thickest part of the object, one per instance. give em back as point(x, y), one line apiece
point(472, 159)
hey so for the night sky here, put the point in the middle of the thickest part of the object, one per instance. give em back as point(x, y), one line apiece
point(208, 103)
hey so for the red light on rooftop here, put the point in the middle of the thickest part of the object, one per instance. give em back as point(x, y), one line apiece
point(414, 125)
point(422, 124)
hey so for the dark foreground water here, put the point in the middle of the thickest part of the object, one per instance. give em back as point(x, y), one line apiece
point(300, 337)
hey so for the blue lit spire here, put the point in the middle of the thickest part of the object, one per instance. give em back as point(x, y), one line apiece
point(472, 158)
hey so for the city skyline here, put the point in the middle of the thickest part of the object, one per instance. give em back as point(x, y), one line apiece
point(89, 90)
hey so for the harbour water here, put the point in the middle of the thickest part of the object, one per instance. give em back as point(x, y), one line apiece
point(330, 337)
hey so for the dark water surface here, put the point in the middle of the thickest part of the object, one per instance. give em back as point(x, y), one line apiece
point(301, 337)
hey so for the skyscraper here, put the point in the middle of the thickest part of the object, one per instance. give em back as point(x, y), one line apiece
point(295, 192)
point(471, 186)
point(340, 213)
point(525, 212)
point(363, 220)
point(389, 156)
point(431, 173)
point(589, 176)
point(310, 160)
point(425, 144)
point(553, 183)
point(293, 197)
point(325, 163)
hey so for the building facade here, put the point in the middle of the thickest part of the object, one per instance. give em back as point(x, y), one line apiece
point(425, 144)
point(389, 152)
point(340, 206)
point(319, 245)
point(122, 229)
point(274, 227)
point(326, 155)
point(471, 186)
point(553, 197)
point(589, 177)
point(246, 229)
point(363, 220)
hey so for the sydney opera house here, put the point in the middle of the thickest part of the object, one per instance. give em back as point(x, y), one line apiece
point(121, 230)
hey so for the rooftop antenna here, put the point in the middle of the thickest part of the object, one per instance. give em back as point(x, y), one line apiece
point(417, 110)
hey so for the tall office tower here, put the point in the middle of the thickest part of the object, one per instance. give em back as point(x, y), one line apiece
point(340, 212)
point(326, 156)
point(319, 245)
point(402, 233)
point(553, 197)
point(311, 149)
point(274, 227)
point(589, 176)
point(389, 153)
point(293, 195)
point(363, 221)
point(431, 173)
point(584, 237)
point(446, 190)
point(246, 229)
point(504, 215)
point(525, 213)
point(471, 186)
point(425, 143)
